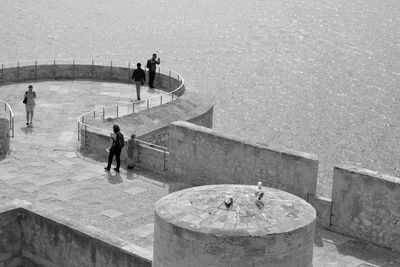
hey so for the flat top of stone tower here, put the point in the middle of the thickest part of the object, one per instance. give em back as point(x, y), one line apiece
point(203, 209)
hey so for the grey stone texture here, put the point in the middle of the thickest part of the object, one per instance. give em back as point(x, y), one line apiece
point(193, 227)
point(34, 240)
point(366, 205)
point(323, 206)
point(200, 156)
point(44, 168)
point(4, 136)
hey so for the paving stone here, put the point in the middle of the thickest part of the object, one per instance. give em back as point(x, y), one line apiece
point(135, 190)
point(145, 230)
point(111, 213)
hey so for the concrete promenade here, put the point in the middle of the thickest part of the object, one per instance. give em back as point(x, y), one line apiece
point(44, 168)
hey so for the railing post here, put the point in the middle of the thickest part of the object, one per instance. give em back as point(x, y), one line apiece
point(129, 65)
point(111, 73)
point(164, 160)
point(94, 113)
point(10, 121)
point(78, 131)
point(169, 80)
point(172, 96)
point(54, 69)
point(73, 68)
point(117, 111)
point(133, 107)
point(2, 73)
point(5, 107)
point(161, 100)
point(35, 69)
point(92, 62)
point(85, 137)
point(103, 113)
point(12, 127)
point(147, 103)
point(18, 71)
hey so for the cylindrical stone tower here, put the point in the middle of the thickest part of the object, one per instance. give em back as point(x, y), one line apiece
point(196, 228)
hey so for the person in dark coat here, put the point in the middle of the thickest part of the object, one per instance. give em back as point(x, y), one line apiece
point(152, 65)
point(139, 77)
point(116, 144)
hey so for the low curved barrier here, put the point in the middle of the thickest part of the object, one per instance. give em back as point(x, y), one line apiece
point(98, 70)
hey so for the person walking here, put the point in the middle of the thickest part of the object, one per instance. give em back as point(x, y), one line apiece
point(152, 65)
point(117, 142)
point(29, 101)
point(129, 150)
point(139, 77)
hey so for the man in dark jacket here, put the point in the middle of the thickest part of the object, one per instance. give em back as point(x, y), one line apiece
point(152, 65)
point(139, 77)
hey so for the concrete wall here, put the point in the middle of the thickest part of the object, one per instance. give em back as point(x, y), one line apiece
point(323, 206)
point(200, 156)
point(366, 205)
point(10, 239)
point(145, 157)
point(4, 136)
point(28, 239)
point(160, 136)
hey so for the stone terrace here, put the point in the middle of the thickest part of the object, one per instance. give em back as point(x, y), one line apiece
point(44, 168)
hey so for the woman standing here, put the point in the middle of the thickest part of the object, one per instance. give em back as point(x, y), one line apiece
point(117, 142)
point(29, 101)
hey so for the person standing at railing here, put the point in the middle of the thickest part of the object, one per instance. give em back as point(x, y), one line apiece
point(152, 66)
point(117, 142)
point(29, 101)
point(129, 150)
point(139, 77)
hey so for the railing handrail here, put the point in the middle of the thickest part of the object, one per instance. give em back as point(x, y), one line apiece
point(82, 123)
point(11, 122)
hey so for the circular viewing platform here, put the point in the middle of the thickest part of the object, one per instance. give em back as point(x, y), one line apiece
point(194, 227)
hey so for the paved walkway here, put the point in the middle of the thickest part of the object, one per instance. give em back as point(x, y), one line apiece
point(45, 169)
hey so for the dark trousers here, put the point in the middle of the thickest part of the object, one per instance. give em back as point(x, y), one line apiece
point(152, 75)
point(117, 152)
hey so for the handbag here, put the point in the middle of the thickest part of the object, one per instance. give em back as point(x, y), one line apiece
point(25, 99)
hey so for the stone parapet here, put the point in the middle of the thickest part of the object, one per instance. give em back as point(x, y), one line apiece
point(200, 156)
point(366, 205)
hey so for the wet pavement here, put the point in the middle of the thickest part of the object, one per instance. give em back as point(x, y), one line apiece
point(45, 169)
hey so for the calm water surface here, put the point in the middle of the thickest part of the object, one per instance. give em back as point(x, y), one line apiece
point(317, 76)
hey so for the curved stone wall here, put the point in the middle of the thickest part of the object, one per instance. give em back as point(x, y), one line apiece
point(4, 136)
point(87, 72)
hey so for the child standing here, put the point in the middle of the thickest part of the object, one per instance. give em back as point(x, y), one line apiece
point(131, 147)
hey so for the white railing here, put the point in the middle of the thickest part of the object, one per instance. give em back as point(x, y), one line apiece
point(8, 112)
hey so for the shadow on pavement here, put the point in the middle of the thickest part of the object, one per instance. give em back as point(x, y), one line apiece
point(27, 129)
point(354, 248)
point(114, 178)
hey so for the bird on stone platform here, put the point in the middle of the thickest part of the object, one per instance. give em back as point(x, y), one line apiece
point(228, 200)
point(259, 192)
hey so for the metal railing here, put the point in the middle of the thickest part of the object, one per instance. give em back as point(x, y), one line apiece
point(8, 113)
point(131, 108)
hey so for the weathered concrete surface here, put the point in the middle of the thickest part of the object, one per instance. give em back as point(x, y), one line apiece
point(152, 125)
point(33, 240)
point(323, 206)
point(366, 204)
point(193, 227)
point(10, 237)
point(4, 136)
point(200, 156)
point(45, 169)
